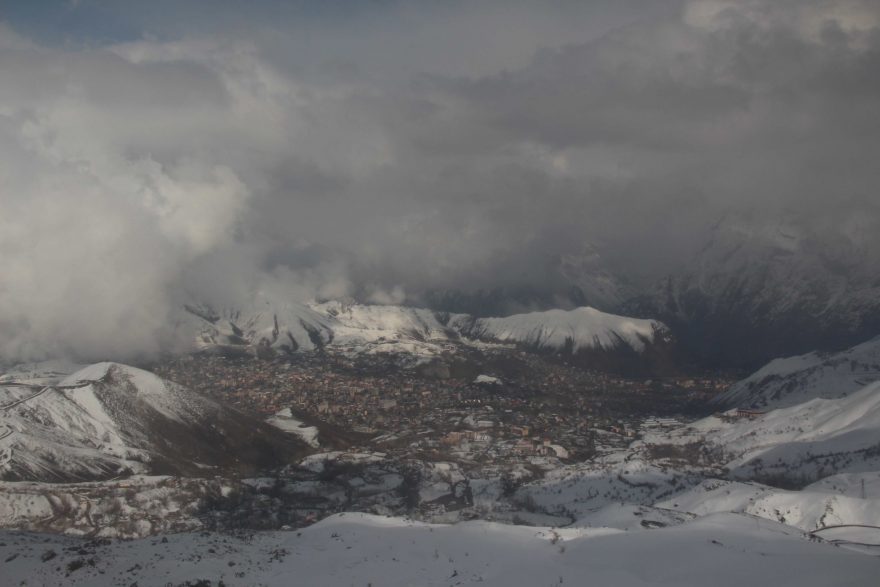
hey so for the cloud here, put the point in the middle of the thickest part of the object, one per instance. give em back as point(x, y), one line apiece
point(217, 158)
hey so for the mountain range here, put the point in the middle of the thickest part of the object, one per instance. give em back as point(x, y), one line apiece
point(276, 326)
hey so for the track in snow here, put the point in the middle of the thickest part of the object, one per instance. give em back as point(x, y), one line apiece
point(11, 405)
point(6, 430)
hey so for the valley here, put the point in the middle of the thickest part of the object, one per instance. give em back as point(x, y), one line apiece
point(446, 431)
point(439, 294)
point(392, 420)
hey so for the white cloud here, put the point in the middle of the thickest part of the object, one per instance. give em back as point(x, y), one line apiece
point(136, 174)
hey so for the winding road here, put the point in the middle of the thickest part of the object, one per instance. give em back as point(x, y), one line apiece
point(6, 431)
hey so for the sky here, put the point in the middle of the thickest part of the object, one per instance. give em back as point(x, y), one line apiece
point(157, 152)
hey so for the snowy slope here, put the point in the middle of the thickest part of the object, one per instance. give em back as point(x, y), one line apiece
point(361, 328)
point(279, 324)
point(576, 329)
point(292, 326)
point(807, 510)
point(110, 419)
point(801, 443)
point(865, 485)
point(578, 490)
point(284, 420)
point(790, 381)
point(357, 549)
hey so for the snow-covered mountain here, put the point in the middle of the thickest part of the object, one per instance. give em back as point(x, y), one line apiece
point(582, 328)
point(290, 327)
point(109, 419)
point(793, 380)
point(278, 324)
point(759, 291)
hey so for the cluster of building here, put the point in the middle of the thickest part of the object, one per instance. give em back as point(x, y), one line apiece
point(536, 408)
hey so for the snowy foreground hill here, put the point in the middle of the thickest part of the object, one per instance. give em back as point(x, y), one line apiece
point(108, 420)
point(357, 549)
point(291, 327)
point(797, 419)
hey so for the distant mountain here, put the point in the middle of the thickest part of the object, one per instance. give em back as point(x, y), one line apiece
point(790, 381)
point(361, 328)
point(585, 336)
point(572, 330)
point(758, 292)
point(284, 325)
point(290, 327)
point(108, 419)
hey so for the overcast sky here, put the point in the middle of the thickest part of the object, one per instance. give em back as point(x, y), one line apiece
point(151, 152)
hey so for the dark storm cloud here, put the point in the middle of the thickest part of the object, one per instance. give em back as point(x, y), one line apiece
point(383, 152)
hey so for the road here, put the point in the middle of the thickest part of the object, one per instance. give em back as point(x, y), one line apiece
point(6, 431)
point(11, 405)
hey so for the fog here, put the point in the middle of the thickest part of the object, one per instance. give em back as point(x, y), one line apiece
point(154, 155)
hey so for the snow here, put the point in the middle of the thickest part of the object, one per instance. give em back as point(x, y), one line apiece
point(793, 380)
point(487, 379)
point(359, 324)
point(364, 328)
point(265, 318)
point(358, 549)
point(284, 420)
point(41, 372)
point(98, 422)
point(66, 430)
point(581, 328)
point(810, 440)
point(629, 519)
point(850, 484)
point(806, 509)
point(145, 386)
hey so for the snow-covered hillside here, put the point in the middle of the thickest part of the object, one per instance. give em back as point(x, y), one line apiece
point(808, 510)
point(575, 330)
point(291, 327)
point(790, 381)
point(358, 549)
point(385, 328)
point(797, 444)
point(275, 323)
point(109, 419)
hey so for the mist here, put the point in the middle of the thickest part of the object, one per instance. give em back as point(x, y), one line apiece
point(156, 156)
